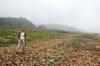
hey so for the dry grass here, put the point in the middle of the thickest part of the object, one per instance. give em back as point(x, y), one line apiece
point(53, 52)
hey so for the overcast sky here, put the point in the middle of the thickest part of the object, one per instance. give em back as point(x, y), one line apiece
point(83, 14)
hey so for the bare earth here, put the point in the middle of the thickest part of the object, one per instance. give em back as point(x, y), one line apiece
point(55, 52)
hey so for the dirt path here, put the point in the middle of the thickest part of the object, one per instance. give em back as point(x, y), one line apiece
point(39, 45)
point(50, 43)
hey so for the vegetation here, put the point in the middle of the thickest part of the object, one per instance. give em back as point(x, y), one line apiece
point(53, 52)
point(9, 36)
point(44, 35)
point(47, 48)
point(16, 22)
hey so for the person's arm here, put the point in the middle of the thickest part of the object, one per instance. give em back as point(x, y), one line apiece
point(18, 35)
point(25, 39)
point(25, 36)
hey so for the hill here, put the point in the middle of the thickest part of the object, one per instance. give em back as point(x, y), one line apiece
point(61, 27)
point(42, 27)
point(16, 22)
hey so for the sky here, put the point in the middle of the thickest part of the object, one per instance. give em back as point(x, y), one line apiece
point(82, 14)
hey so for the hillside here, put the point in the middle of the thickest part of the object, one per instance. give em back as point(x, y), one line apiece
point(61, 27)
point(16, 22)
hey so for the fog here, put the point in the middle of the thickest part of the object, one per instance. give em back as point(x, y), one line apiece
point(83, 14)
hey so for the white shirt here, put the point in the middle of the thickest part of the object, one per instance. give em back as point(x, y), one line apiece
point(22, 35)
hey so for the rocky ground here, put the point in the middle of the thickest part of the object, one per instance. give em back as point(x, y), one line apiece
point(57, 52)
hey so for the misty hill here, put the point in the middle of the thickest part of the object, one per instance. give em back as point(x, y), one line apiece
point(16, 22)
point(43, 27)
point(61, 27)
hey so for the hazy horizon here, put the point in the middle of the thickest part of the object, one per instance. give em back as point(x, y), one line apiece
point(82, 14)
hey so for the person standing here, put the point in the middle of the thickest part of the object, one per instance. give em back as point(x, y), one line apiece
point(21, 40)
